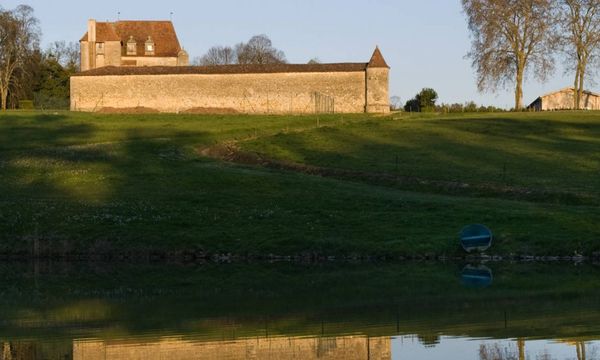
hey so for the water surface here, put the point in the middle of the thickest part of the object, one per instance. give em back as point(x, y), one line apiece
point(295, 311)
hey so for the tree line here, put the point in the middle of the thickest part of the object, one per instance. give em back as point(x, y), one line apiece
point(27, 71)
point(258, 50)
point(426, 101)
point(514, 39)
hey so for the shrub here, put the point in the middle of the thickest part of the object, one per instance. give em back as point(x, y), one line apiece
point(26, 105)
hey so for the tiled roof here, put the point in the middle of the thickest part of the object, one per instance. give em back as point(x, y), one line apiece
point(226, 69)
point(377, 60)
point(104, 32)
point(162, 33)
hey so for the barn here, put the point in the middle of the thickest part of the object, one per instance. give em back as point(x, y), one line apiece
point(564, 99)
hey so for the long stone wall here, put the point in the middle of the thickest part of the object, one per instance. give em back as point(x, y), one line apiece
point(245, 93)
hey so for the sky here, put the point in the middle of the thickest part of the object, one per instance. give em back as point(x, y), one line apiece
point(424, 42)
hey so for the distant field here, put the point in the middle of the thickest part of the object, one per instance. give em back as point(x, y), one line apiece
point(398, 185)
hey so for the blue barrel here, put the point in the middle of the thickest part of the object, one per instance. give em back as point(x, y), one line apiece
point(476, 238)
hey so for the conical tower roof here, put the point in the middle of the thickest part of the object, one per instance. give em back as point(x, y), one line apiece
point(377, 60)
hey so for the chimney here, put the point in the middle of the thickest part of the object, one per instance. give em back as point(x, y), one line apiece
point(92, 43)
point(92, 30)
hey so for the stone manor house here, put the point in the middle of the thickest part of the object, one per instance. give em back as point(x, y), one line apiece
point(131, 43)
point(141, 66)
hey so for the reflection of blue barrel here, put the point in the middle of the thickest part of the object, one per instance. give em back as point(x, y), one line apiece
point(476, 238)
point(477, 276)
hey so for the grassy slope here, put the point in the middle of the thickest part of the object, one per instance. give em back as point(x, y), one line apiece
point(81, 182)
point(551, 153)
point(549, 163)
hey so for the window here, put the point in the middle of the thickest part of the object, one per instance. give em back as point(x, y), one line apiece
point(149, 46)
point(99, 48)
point(131, 46)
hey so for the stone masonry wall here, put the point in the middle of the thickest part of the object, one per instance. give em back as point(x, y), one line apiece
point(150, 60)
point(244, 93)
point(564, 100)
point(111, 55)
point(378, 98)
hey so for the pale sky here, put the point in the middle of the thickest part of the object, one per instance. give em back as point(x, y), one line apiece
point(424, 41)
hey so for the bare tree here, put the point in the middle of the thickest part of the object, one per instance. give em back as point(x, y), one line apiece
point(395, 103)
point(259, 50)
point(217, 55)
point(66, 54)
point(314, 61)
point(580, 23)
point(509, 38)
point(19, 38)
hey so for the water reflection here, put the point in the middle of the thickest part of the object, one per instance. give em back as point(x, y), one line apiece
point(498, 351)
point(344, 347)
point(293, 311)
point(351, 347)
point(479, 276)
point(490, 349)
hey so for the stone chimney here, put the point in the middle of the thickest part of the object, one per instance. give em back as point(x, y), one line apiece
point(92, 30)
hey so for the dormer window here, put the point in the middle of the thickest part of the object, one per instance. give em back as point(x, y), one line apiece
point(149, 46)
point(131, 46)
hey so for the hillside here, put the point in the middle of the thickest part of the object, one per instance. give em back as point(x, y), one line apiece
point(140, 185)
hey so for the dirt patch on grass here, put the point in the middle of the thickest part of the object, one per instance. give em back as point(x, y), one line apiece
point(134, 110)
point(231, 152)
point(210, 111)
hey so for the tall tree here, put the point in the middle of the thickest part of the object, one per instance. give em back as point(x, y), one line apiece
point(19, 39)
point(510, 37)
point(580, 23)
point(51, 88)
point(259, 50)
point(66, 54)
point(217, 55)
point(427, 99)
point(424, 101)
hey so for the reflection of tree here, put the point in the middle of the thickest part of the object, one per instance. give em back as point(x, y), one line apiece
point(521, 345)
point(498, 352)
point(429, 340)
point(580, 345)
point(580, 348)
point(17, 351)
point(25, 350)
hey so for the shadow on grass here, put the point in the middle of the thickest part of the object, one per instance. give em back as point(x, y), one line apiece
point(64, 194)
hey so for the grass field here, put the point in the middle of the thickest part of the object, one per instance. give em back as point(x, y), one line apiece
point(399, 185)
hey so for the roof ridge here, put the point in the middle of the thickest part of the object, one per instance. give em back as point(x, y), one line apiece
point(572, 88)
point(143, 21)
point(225, 69)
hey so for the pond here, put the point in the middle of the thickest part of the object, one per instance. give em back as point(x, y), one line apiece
point(299, 311)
